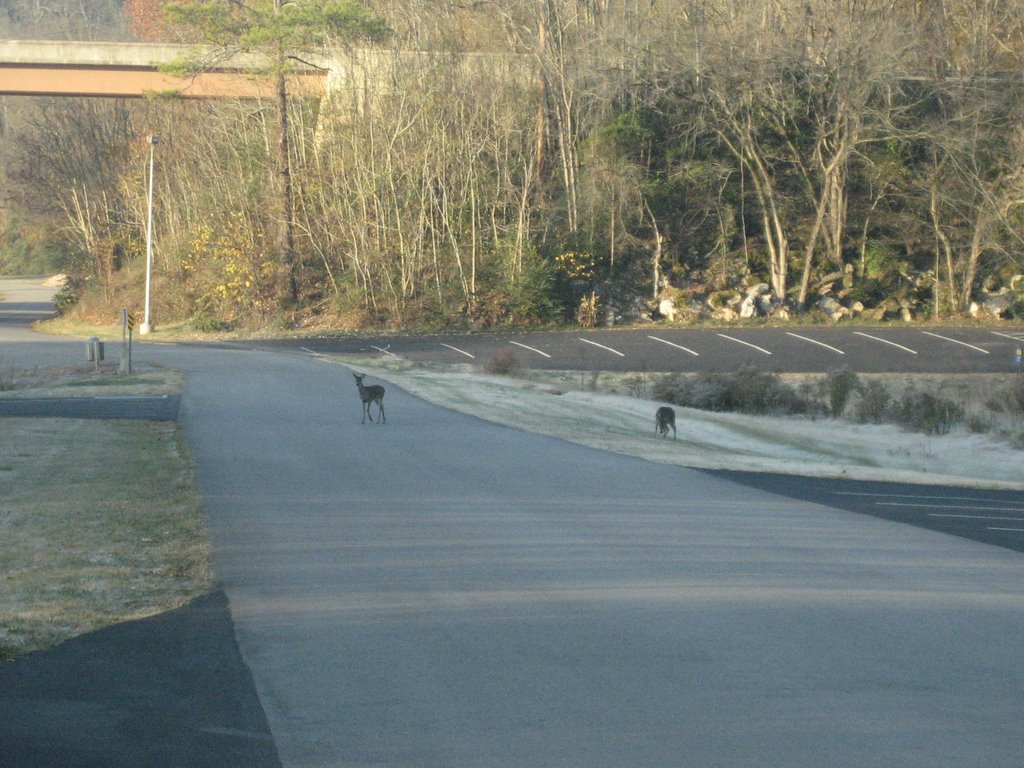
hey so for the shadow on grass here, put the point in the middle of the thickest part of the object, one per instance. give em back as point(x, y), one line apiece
point(167, 691)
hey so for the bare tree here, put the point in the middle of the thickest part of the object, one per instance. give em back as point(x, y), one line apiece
point(285, 37)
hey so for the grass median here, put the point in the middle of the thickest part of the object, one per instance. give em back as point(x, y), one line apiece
point(99, 522)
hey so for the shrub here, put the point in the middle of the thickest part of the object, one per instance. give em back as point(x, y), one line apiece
point(746, 390)
point(928, 413)
point(504, 364)
point(586, 314)
point(978, 425)
point(756, 391)
point(672, 388)
point(65, 299)
point(206, 323)
point(1015, 396)
point(637, 385)
point(873, 406)
point(840, 385)
point(1010, 400)
point(712, 392)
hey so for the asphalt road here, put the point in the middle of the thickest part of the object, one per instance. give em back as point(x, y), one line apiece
point(22, 302)
point(439, 591)
point(988, 516)
point(888, 349)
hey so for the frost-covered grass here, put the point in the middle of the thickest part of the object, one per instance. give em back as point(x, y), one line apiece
point(558, 407)
point(99, 522)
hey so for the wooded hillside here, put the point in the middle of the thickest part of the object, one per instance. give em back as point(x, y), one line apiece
point(62, 20)
point(735, 157)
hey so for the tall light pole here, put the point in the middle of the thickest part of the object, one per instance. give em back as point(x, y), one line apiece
point(145, 327)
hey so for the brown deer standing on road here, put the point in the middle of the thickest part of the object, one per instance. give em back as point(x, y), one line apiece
point(371, 394)
point(664, 418)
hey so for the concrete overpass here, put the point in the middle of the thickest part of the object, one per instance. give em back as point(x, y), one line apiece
point(126, 70)
point(132, 70)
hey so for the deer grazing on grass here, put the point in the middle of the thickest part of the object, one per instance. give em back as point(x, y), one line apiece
point(371, 394)
point(664, 418)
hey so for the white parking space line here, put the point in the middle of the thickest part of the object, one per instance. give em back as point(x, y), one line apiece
point(384, 350)
point(948, 506)
point(1015, 337)
point(1011, 530)
point(815, 341)
point(745, 343)
point(979, 517)
point(460, 351)
point(543, 354)
point(677, 346)
point(313, 352)
point(956, 341)
point(886, 341)
point(602, 346)
point(914, 496)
